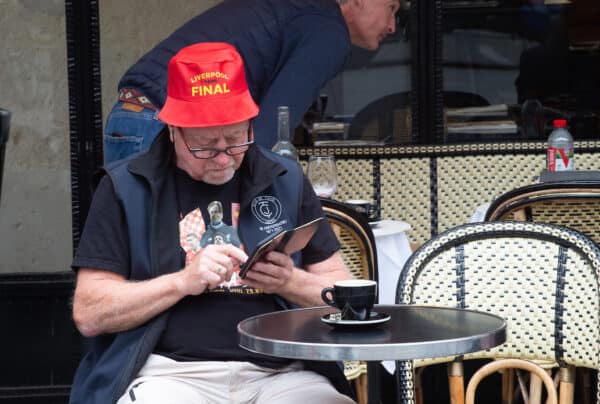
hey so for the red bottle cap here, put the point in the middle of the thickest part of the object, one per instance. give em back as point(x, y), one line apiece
point(560, 123)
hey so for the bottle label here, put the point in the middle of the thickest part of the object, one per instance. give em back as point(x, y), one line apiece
point(560, 159)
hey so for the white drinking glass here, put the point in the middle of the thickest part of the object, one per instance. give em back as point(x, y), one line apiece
point(322, 174)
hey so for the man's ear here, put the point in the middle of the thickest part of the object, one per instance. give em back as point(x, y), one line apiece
point(251, 135)
point(172, 133)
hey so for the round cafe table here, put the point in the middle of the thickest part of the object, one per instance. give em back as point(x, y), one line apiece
point(412, 332)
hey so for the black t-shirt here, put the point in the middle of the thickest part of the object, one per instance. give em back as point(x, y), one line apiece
point(200, 327)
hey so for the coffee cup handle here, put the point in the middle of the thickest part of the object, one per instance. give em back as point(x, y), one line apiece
point(327, 299)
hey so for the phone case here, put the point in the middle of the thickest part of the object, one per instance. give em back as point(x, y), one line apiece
point(286, 241)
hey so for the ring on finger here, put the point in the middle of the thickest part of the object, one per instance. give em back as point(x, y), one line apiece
point(219, 269)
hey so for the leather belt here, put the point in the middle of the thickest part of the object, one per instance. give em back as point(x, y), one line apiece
point(135, 97)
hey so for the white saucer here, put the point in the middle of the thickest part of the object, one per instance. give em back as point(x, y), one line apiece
point(334, 319)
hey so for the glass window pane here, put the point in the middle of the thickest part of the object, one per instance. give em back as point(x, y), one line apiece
point(370, 99)
point(532, 61)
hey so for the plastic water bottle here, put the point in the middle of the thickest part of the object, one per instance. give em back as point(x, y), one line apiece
point(560, 155)
point(284, 146)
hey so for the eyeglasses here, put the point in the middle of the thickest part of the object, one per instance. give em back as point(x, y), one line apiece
point(204, 153)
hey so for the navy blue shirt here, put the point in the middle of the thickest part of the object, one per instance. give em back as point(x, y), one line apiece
point(291, 49)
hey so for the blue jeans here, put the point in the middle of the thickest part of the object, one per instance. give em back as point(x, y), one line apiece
point(129, 132)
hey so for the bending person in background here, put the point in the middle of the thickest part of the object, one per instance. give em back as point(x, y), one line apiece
point(162, 307)
point(291, 49)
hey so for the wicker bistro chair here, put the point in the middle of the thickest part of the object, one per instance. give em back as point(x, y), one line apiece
point(360, 256)
point(356, 238)
point(574, 204)
point(543, 279)
point(571, 202)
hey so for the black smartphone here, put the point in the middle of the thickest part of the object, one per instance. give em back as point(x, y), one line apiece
point(286, 241)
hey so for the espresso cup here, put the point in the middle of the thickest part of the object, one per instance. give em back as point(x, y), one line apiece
point(354, 298)
point(363, 207)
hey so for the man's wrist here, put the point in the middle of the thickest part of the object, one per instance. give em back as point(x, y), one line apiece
point(180, 285)
point(288, 288)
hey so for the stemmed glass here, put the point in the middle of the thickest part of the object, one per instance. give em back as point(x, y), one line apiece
point(322, 174)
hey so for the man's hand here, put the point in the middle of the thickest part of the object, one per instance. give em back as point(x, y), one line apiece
point(212, 266)
point(301, 286)
point(271, 273)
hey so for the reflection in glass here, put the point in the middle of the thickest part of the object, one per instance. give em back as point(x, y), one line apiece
point(370, 79)
point(532, 119)
point(538, 58)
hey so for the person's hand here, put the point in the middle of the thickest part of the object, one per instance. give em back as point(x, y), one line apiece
point(270, 274)
point(212, 266)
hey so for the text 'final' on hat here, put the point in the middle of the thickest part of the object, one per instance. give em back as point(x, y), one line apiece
point(206, 86)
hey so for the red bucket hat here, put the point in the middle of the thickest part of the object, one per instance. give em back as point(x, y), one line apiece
point(206, 86)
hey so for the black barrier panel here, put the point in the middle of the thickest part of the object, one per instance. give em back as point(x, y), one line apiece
point(40, 346)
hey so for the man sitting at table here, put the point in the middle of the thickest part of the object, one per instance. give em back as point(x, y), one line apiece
point(162, 309)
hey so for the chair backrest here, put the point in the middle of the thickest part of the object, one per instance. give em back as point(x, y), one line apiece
point(355, 236)
point(543, 279)
point(574, 204)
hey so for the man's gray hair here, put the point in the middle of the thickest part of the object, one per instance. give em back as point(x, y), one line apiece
point(342, 1)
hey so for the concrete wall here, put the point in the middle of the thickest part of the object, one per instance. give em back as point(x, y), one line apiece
point(128, 29)
point(35, 205)
point(35, 210)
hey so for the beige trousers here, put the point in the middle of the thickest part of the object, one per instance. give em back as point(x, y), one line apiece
point(165, 381)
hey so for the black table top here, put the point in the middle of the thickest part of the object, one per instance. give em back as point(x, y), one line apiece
point(413, 332)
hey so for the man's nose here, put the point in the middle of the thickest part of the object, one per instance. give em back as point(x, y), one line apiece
point(221, 158)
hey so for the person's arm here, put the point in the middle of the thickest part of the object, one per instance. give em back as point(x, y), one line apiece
point(315, 50)
point(106, 302)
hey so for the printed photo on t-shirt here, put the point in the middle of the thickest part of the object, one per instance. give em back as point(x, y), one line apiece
point(195, 234)
point(218, 232)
